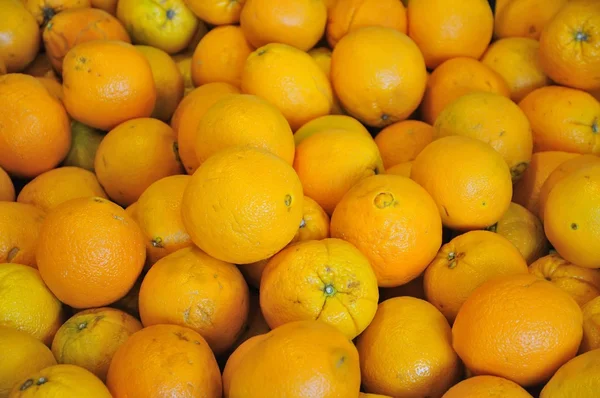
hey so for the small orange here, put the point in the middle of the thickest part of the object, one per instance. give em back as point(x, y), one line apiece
point(92, 72)
point(378, 74)
point(184, 64)
point(110, 6)
point(322, 56)
point(90, 252)
point(401, 169)
point(576, 378)
point(7, 188)
point(217, 12)
point(524, 18)
point(330, 122)
point(41, 67)
point(236, 357)
point(402, 141)
point(20, 36)
point(591, 326)
point(485, 387)
point(133, 155)
point(53, 86)
point(84, 144)
point(20, 225)
point(44, 10)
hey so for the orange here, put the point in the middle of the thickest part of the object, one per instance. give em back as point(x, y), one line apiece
point(59, 185)
point(576, 378)
point(79, 25)
point(90, 252)
point(572, 217)
point(236, 357)
point(583, 284)
point(524, 230)
point(329, 122)
point(243, 205)
point(20, 36)
point(244, 120)
point(402, 141)
point(91, 73)
point(378, 74)
point(468, 180)
point(27, 304)
point(365, 395)
point(217, 12)
point(591, 326)
point(524, 18)
point(394, 222)
point(344, 294)
point(164, 359)
point(60, 381)
point(327, 182)
point(299, 23)
point(570, 47)
point(35, 133)
point(348, 16)
point(445, 29)
point(20, 225)
point(330, 368)
point(84, 144)
point(289, 79)
point(53, 86)
point(485, 387)
point(455, 78)
point(406, 350)
point(535, 326)
point(90, 338)
point(256, 323)
point(135, 154)
point(168, 81)
point(7, 189)
point(22, 355)
point(401, 169)
point(41, 67)
point(322, 56)
point(516, 59)
point(184, 64)
point(191, 289)
point(220, 56)
point(465, 263)
point(109, 6)
point(188, 114)
point(44, 10)
point(200, 32)
point(493, 119)
point(563, 119)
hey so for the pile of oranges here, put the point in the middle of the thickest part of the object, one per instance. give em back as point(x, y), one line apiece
point(299, 198)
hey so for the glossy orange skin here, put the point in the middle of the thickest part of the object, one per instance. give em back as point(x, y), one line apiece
point(591, 326)
point(21, 224)
point(330, 122)
point(236, 358)
point(485, 386)
point(401, 169)
point(217, 12)
point(20, 36)
point(576, 378)
point(401, 142)
point(7, 188)
point(53, 87)
point(524, 18)
point(44, 10)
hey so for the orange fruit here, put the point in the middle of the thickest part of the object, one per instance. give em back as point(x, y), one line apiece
point(243, 205)
point(455, 78)
point(165, 359)
point(54, 87)
point(167, 80)
point(444, 29)
point(322, 56)
point(571, 217)
point(576, 378)
point(27, 304)
point(563, 119)
point(188, 114)
point(348, 16)
point(90, 338)
point(110, 6)
point(524, 18)
point(84, 144)
point(402, 141)
point(256, 323)
point(569, 46)
point(44, 10)
point(59, 185)
point(236, 357)
point(22, 355)
point(79, 25)
point(330, 181)
point(41, 67)
point(184, 64)
point(90, 252)
point(517, 60)
point(344, 295)
point(299, 23)
point(406, 350)
point(289, 79)
point(583, 284)
point(21, 225)
point(394, 222)
point(93, 69)
point(217, 12)
point(330, 368)
point(465, 263)
point(468, 180)
point(191, 289)
point(493, 119)
point(21, 36)
point(591, 326)
point(378, 74)
point(35, 133)
point(401, 169)
point(486, 386)
point(535, 326)
point(330, 122)
point(220, 56)
point(244, 120)
point(60, 381)
point(7, 188)
point(133, 155)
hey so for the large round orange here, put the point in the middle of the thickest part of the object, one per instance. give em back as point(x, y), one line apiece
point(243, 205)
point(20, 225)
point(44, 10)
point(35, 134)
point(403, 141)
point(378, 74)
point(535, 327)
point(330, 122)
point(107, 82)
point(570, 46)
point(445, 29)
point(406, 350)
point(465, 263)
point(485, 387)
point(455, 78)
point(20, 36)
point(299, 23)
point(591, 326)
point(90, 252)
point(7, 188)
point(524, 18)
point(576, 378)
point(217, 12)
point(289, 79)
point(468, 180)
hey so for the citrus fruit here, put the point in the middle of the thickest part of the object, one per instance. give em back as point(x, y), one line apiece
point(524, 18)
point(84, 144)
point(485, 386)
point(44, 10)
point(20, 224)
point(21, 36)
point(330, 122)
point(591, 326)
point(217, 12)
point(576, 378)
point(7, 188)
point(403, 141)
